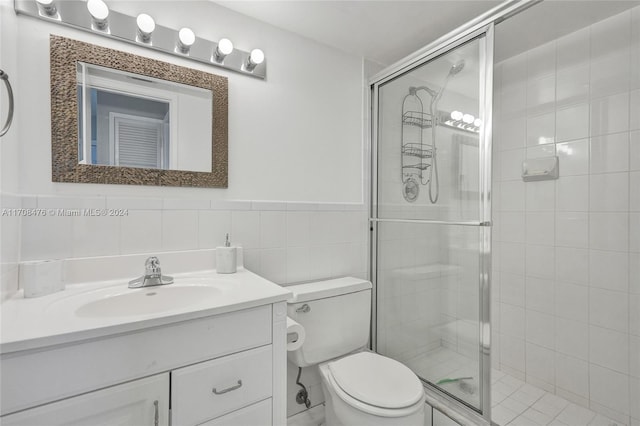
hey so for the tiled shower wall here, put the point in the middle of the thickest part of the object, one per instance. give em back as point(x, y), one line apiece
point(566, 280)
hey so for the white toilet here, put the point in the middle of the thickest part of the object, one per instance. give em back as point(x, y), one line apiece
point(360, 387)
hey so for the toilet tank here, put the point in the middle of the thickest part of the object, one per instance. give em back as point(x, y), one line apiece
point(336, 316)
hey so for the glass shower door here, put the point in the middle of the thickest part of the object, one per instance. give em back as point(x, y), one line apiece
point(431, 217)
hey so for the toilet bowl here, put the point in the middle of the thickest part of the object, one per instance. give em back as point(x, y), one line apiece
point(367, 389)
point(360, 387)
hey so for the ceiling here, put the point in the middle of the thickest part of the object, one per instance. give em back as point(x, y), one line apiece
point(550, 20)
point(386, 31)
point(381, 31)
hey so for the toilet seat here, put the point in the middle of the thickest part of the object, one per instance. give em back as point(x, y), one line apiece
point(375, 384)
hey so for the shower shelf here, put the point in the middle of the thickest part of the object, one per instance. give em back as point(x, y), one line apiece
point(417, 150)
point(420, 166)
point(418, 119)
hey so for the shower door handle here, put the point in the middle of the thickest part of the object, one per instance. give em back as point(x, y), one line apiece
point(5, 77)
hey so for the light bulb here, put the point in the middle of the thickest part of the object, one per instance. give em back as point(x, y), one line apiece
point(477, 122)
point(456, 115)
point(46, 7)
point(99, 12)
point(468, 118)
point(146, 25)
point(224, 48)
point(186, 38)
point(256, 57)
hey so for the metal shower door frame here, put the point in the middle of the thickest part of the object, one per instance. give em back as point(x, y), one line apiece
point(484, 35)
point(482, 25)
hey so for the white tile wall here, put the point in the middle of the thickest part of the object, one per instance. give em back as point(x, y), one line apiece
point(566, 251)
point(281, 240)
point(610, 153)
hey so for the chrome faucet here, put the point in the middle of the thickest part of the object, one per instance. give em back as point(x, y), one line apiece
point(152, 275)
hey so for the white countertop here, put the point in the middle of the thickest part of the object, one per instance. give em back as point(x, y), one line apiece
point(52, 320)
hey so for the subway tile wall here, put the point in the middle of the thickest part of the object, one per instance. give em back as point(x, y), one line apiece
point(566, 264)
point(284, 242)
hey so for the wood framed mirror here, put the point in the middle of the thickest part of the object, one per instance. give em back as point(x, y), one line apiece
point(119, 118)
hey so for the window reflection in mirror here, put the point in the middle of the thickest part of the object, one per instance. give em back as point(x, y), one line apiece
point(130, 120)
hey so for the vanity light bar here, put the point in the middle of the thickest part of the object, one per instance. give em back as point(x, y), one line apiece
point(142, 30)
point(461, 121)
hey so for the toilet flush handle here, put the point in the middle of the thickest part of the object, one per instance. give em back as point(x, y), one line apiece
point(304, 308)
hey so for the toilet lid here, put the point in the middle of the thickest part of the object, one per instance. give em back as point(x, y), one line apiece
point(377, 380)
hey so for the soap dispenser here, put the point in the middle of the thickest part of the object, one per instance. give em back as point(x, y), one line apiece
point(226, 258)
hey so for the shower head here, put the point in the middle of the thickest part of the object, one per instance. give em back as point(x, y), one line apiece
point(457, 67)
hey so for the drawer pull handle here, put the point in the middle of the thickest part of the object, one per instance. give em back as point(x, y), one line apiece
point(156, 417)
point(232, 388)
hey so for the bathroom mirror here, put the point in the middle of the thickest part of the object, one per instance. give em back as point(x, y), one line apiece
point(119, 118)
point(137, 121)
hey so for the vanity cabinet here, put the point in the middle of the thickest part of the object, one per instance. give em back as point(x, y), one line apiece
point(227, 369)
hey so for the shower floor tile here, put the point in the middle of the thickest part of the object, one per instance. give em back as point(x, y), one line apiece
point(514, 402)
point(527, 405)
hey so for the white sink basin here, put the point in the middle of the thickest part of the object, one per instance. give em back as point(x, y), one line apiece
point(148, 300)
point(120, 301)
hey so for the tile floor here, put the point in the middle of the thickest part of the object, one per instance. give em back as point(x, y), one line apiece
point(516, 403)
point(314, 416)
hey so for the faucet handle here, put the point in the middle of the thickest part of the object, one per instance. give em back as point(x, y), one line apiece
point(152, 266)
point(152, 276)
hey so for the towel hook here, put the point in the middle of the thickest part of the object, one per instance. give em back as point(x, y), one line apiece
point(5, 77)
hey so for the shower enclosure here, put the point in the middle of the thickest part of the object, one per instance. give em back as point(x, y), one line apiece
point(513, 293)
point(431, 214)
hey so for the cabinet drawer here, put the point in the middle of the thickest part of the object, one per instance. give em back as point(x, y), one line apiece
point(254, 415)
point(210, 389)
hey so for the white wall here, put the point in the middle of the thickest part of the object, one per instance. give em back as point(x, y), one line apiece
point(566, 287)
point(296, 136)
point(295, 200)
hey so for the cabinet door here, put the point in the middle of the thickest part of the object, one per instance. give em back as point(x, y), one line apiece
point(143, 402)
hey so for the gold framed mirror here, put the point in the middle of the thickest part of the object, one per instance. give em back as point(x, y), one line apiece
point(82, 74)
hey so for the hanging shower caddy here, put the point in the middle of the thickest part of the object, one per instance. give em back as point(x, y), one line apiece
point(416, 154)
